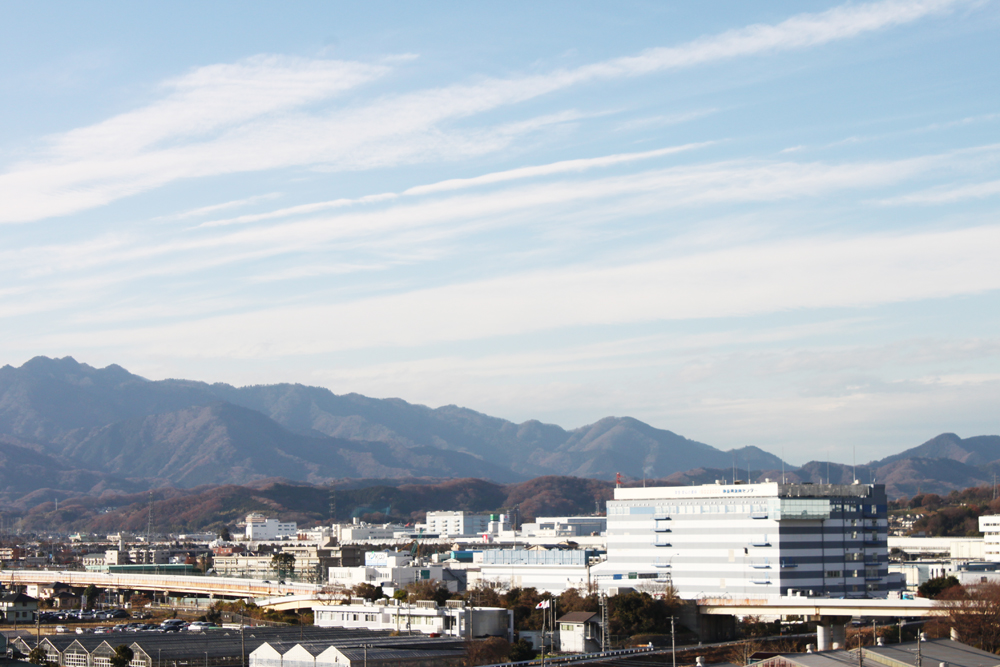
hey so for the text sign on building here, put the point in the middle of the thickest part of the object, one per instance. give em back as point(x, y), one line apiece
point(377, 559)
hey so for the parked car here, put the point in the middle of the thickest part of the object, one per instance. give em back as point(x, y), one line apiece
point(61, 629)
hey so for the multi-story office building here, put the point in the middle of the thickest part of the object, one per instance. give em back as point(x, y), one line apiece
point(457, 523)
point(259, 527)
point(751, 540)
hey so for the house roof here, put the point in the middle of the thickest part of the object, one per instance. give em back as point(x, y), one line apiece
point(577, 617)
point(940, 651)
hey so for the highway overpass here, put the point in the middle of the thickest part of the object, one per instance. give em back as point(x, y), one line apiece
point(832, 615)
point(159, 585)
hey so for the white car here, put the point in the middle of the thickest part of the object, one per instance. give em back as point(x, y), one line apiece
point(61, 629)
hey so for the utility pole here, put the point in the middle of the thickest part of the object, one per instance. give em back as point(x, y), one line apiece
point(919, 657)
point(673, 646)
point(604, 623)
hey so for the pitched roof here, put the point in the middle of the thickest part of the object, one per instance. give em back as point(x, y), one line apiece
point(577, 617)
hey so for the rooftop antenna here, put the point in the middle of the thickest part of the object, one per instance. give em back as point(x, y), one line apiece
point(782, 464)
point(734, 466)
point(855, 465)
point(828, 466)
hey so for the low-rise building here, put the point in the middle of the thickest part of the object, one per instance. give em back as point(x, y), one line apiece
point(394, 569)
point(453, 620)
point(547, 570)
point(8, 554)
point(563, 527)
point(366, 532)
point(579, 632)
point(17, 607)
point(357, 654)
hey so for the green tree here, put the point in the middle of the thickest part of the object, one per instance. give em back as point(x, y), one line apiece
point(90, 595)
point(639, 613)
point(283, 564)
point(521, 650)
point(122, 656)
point(38, 656)
point(932, 588)
point(225, 535)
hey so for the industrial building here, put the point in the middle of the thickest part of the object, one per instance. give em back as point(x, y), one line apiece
point(457, 524)
point(424, 617)
point(259, 528)
point(751, 540)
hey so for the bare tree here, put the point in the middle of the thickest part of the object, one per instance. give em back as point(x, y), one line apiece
point(974, 612)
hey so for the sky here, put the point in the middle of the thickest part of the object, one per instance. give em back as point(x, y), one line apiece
point(769, 224)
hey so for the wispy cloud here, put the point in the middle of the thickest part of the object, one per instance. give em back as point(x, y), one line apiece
point(215, 208)
point(390, 226)
point(255, 115)
point(756, 279)
point(948, 195)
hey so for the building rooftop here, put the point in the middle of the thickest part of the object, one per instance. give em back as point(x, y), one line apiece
point(763, 489)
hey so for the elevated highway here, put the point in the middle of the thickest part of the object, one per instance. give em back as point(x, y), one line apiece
point(832, 615)
point(815, 608)
point(172, 586)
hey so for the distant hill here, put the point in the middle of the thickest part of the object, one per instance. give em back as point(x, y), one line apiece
point(69, 429)
point(980, 450)
point(227, 444)
point(189, 433)
point(183, 510)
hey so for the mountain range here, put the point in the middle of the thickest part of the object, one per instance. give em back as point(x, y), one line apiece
point(67, 428)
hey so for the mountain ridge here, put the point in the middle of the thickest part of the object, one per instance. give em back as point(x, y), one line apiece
point(77, 429)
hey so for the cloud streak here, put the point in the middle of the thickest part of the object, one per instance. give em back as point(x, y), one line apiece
point(815, 273)
point(255, 115)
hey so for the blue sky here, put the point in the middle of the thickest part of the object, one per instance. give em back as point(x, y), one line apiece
point(749, 223)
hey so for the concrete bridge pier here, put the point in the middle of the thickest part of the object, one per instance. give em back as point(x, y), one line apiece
point(831, 632)
point(710, 628)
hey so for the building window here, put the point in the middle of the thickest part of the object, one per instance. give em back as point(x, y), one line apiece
point(833, 574)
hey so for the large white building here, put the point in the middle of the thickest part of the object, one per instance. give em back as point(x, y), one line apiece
point(753, 540)
point(260, 528)
point(989, 526)
point(453, 524)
